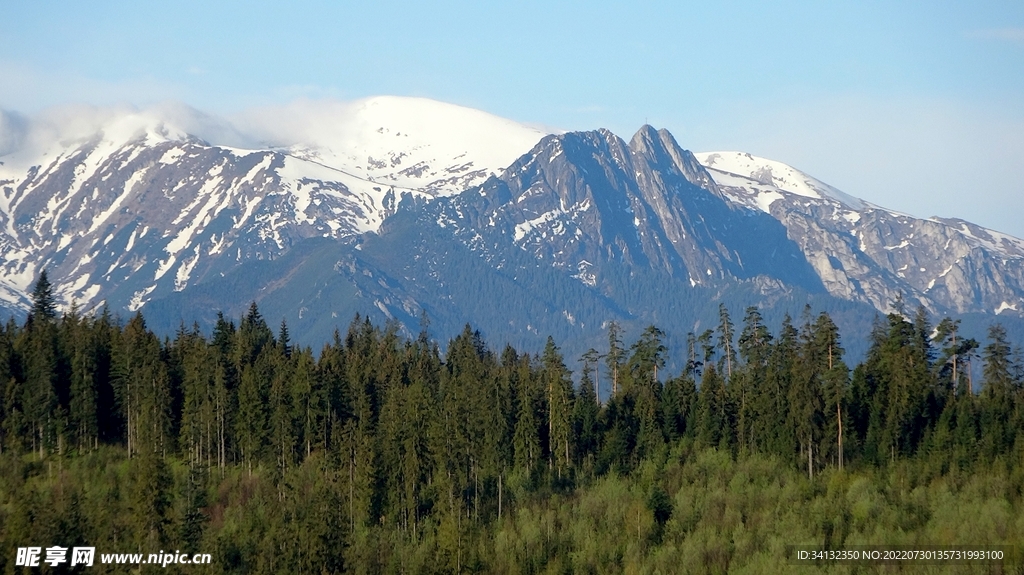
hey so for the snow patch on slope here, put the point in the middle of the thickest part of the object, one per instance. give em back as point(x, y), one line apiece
point(774, 174)
point(326, 168)
point(406, 143)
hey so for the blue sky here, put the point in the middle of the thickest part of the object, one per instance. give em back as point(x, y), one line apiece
point(917, 106)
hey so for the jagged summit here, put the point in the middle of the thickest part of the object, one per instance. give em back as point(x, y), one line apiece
point(584, 201)
point(660, 147)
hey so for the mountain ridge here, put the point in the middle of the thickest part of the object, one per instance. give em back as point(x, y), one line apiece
point(144, 218)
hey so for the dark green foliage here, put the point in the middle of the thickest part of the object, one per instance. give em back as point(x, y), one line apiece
point(381, 455)
point(44, 307)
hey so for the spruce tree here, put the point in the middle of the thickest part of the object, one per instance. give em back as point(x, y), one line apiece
point(755, 351)
point(559, 405)
point(998, 394)
point(835, 383)
point(44, 306)
point(725, 342)
point(614, 357)
point(647, 357)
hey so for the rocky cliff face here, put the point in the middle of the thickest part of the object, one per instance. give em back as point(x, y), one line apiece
point(586, 201)
point(864, 252)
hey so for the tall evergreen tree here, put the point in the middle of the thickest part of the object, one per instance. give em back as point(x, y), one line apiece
point(526, 435)
point(998, 394)
point(725, 342)
point(805, 394)
point(754, 350)
point(585, 413)
point(835, 388)
point(560, 406)
point(12, 426)
point(80, 344)
point(713, 422)
point(615, 356)
point(773, 399)
point(590, 360)
point(197, 432)
point(44, 306)
point(647, 357)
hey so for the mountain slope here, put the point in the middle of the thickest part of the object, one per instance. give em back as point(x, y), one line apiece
point(123, 206)
point(584, 201)
point(867, 253)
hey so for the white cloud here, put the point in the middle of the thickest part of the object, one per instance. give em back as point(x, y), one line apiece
point(13, 129)
point(1014, 35)
point(37, 132)
point(300, 121)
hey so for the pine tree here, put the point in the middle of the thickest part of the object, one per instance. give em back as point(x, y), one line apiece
point(713, 424)
point(754, 350)
point(559, 406)
point(805, 392)
point(590, 360)
point(194, 519)
point(143, 389)
point(725, 339)
point(225, 387)
point(281, 435)
point(772, 400)
point(80, 341)
point(647, 357)
point(835, 381)
point(38, 348)
point(998, 394)
point(44, 306)
point(251, 419)
point(615, 355)
point(417, 411)
point(949, 365)
point(196, 432)
point(310, 403)
point(526, 438)
point(151, 497)
point(253, 335)
point(12, 427)
point(284, 340)
point(585, 413)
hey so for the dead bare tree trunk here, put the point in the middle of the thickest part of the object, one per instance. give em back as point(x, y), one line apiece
point(839, 415)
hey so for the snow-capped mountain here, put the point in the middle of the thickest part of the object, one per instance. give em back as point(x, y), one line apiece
point(583, 201)
point(407, 144)
point(588, 200)
point(867, 253)
point(400, 205)
point(125, 205)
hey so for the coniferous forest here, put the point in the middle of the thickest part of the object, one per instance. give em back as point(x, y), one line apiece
point(379, 454)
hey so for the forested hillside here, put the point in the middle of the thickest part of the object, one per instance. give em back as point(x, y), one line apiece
point(377, 454)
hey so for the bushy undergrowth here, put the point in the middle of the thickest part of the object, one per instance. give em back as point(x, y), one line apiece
point(682, 510)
